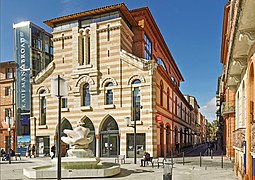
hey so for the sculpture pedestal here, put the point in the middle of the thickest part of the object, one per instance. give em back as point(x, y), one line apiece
point(80, 153)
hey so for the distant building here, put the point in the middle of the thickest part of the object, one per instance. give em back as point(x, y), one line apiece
point(118, 67)
point(33, 53)
point(7, 105)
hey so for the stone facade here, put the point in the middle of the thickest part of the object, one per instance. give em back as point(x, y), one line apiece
point(108, 57)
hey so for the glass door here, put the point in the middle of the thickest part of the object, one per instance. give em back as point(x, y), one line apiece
point(113, 145)
point(109, 145)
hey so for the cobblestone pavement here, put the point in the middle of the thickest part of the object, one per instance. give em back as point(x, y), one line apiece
point(211, 169)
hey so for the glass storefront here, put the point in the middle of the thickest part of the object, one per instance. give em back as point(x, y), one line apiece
point(42, 146)
point(110, 141)
point(140, 145)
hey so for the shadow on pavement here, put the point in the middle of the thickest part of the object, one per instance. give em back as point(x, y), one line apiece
point(15, 162)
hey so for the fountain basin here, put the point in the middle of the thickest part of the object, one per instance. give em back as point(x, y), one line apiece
point(105, 169)
point(77, 163)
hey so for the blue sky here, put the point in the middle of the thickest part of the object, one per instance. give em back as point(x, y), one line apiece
point(191, 29)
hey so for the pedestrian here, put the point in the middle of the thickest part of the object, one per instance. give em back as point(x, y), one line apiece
point(33, 150)
point(29, 151)
point(53, 150)
point(2, 153)
point(146, 157)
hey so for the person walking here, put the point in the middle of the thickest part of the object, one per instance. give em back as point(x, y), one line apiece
point(29, 151)
point(33, 150)
point(53, 150)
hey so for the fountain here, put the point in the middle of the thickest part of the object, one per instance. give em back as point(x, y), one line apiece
point(80, 161)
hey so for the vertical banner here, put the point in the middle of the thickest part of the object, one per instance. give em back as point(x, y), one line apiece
point(22, 58)
point(23, 95)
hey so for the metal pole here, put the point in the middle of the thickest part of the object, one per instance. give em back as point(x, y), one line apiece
point(200, 160)
point(221, 160)
point(134, 138)
point(183, 158)
point(59, 130)
point(9, 134)
point(172, 159)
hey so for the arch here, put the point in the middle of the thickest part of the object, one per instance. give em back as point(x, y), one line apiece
point(162, 154)
point(84, 79)
point(42, 88)
point(108, 80)
point(168, 139)
point(109, 135)
point(134, 77)
point(87, 123)
point(109, 123)
point(85, 31)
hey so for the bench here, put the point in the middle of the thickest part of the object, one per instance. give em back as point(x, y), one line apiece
point(120, 158)
point(161, 160)
point(149, 160)
point(17, 155)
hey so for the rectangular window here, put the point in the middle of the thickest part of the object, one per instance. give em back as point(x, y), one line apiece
point(140, 145)
point(8, 91)
point(8, 73)
point(109, 97)
point(64, 103)
point(8, 113)
point(147, 48)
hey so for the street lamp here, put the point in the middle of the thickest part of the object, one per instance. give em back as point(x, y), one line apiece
point(128, 123)
point(59, 89)
point(9, 121)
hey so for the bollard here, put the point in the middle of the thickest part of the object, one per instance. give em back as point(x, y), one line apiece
point(167, 172)
point(200, 160)
point(172, 159)
point(183, 158)
point(211, 154)
point(221, 160)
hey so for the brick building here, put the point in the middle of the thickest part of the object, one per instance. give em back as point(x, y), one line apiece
point(7, 106)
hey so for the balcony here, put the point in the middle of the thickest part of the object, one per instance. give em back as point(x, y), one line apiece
point(228, 107)
point(239, 137)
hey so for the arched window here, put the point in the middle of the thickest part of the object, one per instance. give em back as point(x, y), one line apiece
point(136, 98)
point(86, 95)
point(161, 62)
point(109, 94)
point(84, 48)
point(42, 107)
point(161, 92)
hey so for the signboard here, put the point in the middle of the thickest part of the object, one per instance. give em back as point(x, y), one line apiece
point(22, 59)
point(159, 118)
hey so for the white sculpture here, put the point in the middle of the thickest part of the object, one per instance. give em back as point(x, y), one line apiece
point(77, 137)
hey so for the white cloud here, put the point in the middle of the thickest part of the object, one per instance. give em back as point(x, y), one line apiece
point(209, 109)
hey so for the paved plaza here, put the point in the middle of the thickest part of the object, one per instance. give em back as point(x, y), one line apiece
point(211, 169)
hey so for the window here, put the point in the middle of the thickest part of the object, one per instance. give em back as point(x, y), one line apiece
point(42, 108)
point(168, 98)
point(136, 103)
point(8, 113)
point(8, 91)
point(175, 105)
point(161, 62)
point(84, 41)
point(8, 73)
point(109, 94)
point(64, 103)
point(86, 95)
point(161, 93)
point(147, 48)
point(136, 98)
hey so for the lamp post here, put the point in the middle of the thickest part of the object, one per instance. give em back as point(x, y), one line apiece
point(9, 135)
point(59, 89)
